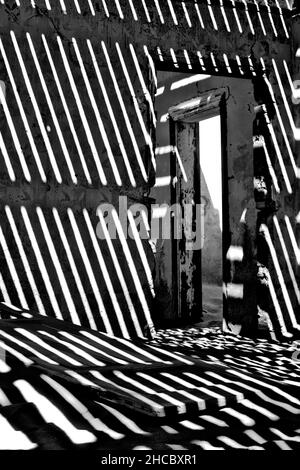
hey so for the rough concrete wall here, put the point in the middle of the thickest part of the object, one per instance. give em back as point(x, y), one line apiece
point(196, 43)
point(71, 169)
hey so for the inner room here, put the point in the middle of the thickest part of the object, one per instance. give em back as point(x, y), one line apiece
point(192, 154)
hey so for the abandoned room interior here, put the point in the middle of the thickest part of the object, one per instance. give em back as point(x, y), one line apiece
point(149, 224)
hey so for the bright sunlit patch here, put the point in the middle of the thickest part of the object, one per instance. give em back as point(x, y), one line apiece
point(212, 16)
point(244, 419)
point(260, 409)
point(67, 112)
point(133, 10)
point(238, 60)
point(82, 113)
point(36, 109)
point(159, 409)
point(271, 17)
point(160, 54)
point(200, 57)
point(107, 345)
point(125, 420)
point(63, 7)
point(132, 268)
point(142, 82)
point(235, 253)
point(146, 11)
point(163, 150)
point(278, 151)
point(4, 291)
point(77, 7)
point(151, 64)
point(25, 347)
point(4, 368)
point(293, 238)
point(120, 275)
point(15, 137)
point(124, 110)
point(133, 382)
point(236, 16)
point(252, 69)
point(96, 423)
point(164, 118)
point(156, 382)
point(41, 263)
point(296, 131)
point(17, 354)
point(173, 14)
point(187, 58)
point(227, 63)
point(105, 8)
point(160, 91)
point(58, 268)
point(98, 116)
point(142, 253)
point(188, 81)
point(224, 16)
point(265, 231)
point(205, 445)
point(174, 58)
point(11, 439)
point(86, 345)
point(213, 60)
point(230, 442)
point(5, 155)
point(162, 181)
point(186, 14)
point(147, 137)
point(51, 414)
point(287, 257)
point(23, 116)
point(257, 141)
point(159, 11)
point(106, 275)
point(141, 351)
point(74, 349)
point(211, 161)
point(282, 19)
point(119, 8)
point(12, 269)
point(52, 111)
point(234, 291)
point(91, 7)
point(294, 85)
point(215, 421)
point(91, 275)
point(74, 268)
point(25, 262)
point(199, 14)
point(260, 18)
point(42, 344)
point(177, 154)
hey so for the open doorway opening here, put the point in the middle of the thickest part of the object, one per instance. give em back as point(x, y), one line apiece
point(211, 191)
point(190, 172)
point(197, 173)
point(194, 114)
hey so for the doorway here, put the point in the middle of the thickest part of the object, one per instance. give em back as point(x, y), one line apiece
point(198, 172)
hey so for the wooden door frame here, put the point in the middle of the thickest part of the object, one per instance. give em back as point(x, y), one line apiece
point(207, 104)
